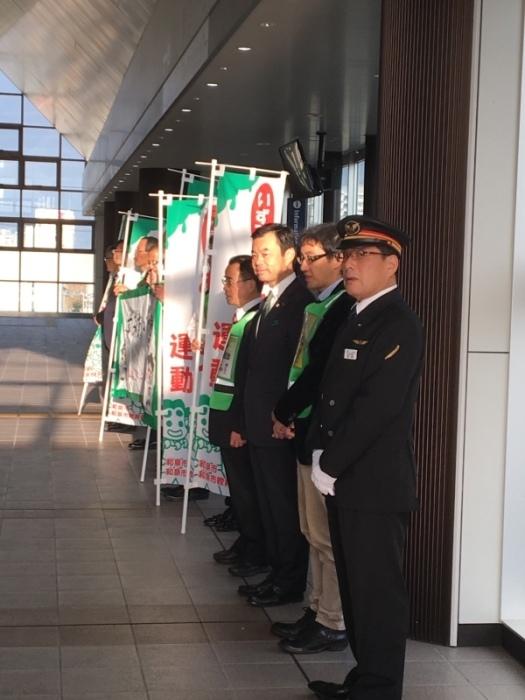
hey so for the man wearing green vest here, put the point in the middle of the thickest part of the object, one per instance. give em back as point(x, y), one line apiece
point(226, 422)
point(322, 626)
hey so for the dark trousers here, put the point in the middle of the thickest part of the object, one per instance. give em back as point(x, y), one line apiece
point(251, 544)
point(275, 473)
point(368, 551)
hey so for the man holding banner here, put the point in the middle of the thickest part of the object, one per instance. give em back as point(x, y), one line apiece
point(226, 422)
point(272, 342)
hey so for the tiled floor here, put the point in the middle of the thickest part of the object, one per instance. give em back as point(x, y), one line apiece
point(102, 598)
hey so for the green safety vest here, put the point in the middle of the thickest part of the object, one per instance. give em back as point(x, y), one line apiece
point(222, 395)
point(313, 315)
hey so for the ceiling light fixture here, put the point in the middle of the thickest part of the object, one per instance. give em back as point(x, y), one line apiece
point(263, 143)
point(155, 145)
point(143, 156)
point(267, 25)
point(244, 48)
point(185, 109)
point(168, 129)
point(223, 68)
point(212, 84)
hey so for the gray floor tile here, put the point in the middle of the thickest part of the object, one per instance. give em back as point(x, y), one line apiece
point(239, 631)
point(162, 613)
point(182, 633)
point(425, 692)
point(492, 672)
point(264, 676)
point(23, 682)
point(502, 692)
point(101, 680)
point(17, 658)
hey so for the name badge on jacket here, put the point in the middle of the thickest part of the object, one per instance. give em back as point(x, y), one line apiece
point(350, 354)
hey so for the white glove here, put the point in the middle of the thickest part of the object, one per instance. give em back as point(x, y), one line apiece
point(323, 482)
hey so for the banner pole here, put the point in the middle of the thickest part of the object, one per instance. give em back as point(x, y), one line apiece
point(112, 344)
point(223, 166)
point(160, 343)
point(196, 386)
point(145, 458)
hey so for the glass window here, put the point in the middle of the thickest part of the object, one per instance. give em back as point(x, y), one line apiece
point(33, 116)
point(71, 174)
point(9, 292)
point(40, 142)
point(38, 297)
point(40, 173)
point(6, 85)
point(9, 140)
point(9, 172)
point(40, 236)
point(9, 203)
point(8, 235)
point(77, 237)
point(39, 266)
point(40, 204)
point(76, 266)
point(11, 109)
point(69, 151)
point(9, 264)
point(76, 298)
point(71, 206)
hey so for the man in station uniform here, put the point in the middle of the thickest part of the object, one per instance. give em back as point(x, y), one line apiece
point(272, 342)
point(363, 458)
point(226, 420)
point(322, 627)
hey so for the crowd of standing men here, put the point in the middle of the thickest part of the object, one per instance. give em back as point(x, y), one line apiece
point(312, 410)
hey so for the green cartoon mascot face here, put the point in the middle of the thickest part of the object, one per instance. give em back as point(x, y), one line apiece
point(177, 425)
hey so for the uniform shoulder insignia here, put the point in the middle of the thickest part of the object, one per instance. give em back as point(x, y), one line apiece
point(393, 352)
point(357, 341)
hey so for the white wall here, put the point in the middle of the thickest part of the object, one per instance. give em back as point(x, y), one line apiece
point(487, 310)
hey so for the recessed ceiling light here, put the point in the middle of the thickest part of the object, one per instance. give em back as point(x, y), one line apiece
point(168, 129)
point(155, 145)
point(212, 84)
point(121, 180)
point(135, 165)
point(244, 48)
point(128, 173)
point(376, 75)
point(178, 121)
point(223, 68)
point(185, 109)
point(263, 143)
point(143, 156)
point(267, 25)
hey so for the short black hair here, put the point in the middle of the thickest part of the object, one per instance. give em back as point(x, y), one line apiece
point(246, 269)
point(109, 250)
point(152, 243)
point(284, 234)
point(325, 234)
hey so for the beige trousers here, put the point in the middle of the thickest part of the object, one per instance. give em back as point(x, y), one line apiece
point(324, 598)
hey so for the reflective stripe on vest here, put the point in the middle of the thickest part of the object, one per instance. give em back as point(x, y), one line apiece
point(313, 315)
point(222, 395)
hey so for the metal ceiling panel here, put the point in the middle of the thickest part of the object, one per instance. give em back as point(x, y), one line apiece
point(70, 56)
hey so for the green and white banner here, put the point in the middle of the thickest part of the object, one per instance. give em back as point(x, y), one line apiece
point(133, 390)
point(93, 361)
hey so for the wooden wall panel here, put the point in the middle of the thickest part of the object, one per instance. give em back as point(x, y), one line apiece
point(421, 187)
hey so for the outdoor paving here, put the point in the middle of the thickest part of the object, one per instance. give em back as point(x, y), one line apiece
point(102, 597)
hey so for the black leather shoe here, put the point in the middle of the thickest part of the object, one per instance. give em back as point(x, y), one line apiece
point(331, 691)
point(216, 519)
point(245, 569)
point(273, 597)
point(227, 524)
point(249, 589)
point(314, 639)
point(288, 630)
point(138, 444)
point(227, 556)
point(175, 492)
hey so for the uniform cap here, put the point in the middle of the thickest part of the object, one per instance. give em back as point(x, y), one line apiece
point(361, 230)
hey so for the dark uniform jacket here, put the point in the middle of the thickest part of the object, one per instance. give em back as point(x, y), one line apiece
point(363, 419)
point(222, 423)
point(271, 348)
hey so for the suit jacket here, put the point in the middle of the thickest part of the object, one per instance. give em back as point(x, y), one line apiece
point(271, 347)
point(363, 419)
point(221, 423)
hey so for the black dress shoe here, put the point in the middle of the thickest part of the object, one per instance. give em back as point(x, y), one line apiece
point(273, 597)
point(227, 525)
point(245, 569)
point(138, 444)
point(216, 519)
point(227, 556)
point(175, 492)
point(314, 639)
point(249, 589)
point(288, 630)
point(330, 691)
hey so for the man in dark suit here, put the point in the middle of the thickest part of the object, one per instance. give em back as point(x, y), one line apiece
point(321, 628)
point(363, 459)
point(242, 290)
point(273, 337)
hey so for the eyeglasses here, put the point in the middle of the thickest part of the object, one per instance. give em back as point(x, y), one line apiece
point(310, 259)
point(360, 254)
point(228, 282)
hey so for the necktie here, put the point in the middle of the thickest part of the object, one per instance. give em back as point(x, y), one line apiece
point(353, 311)
point(268, 305)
